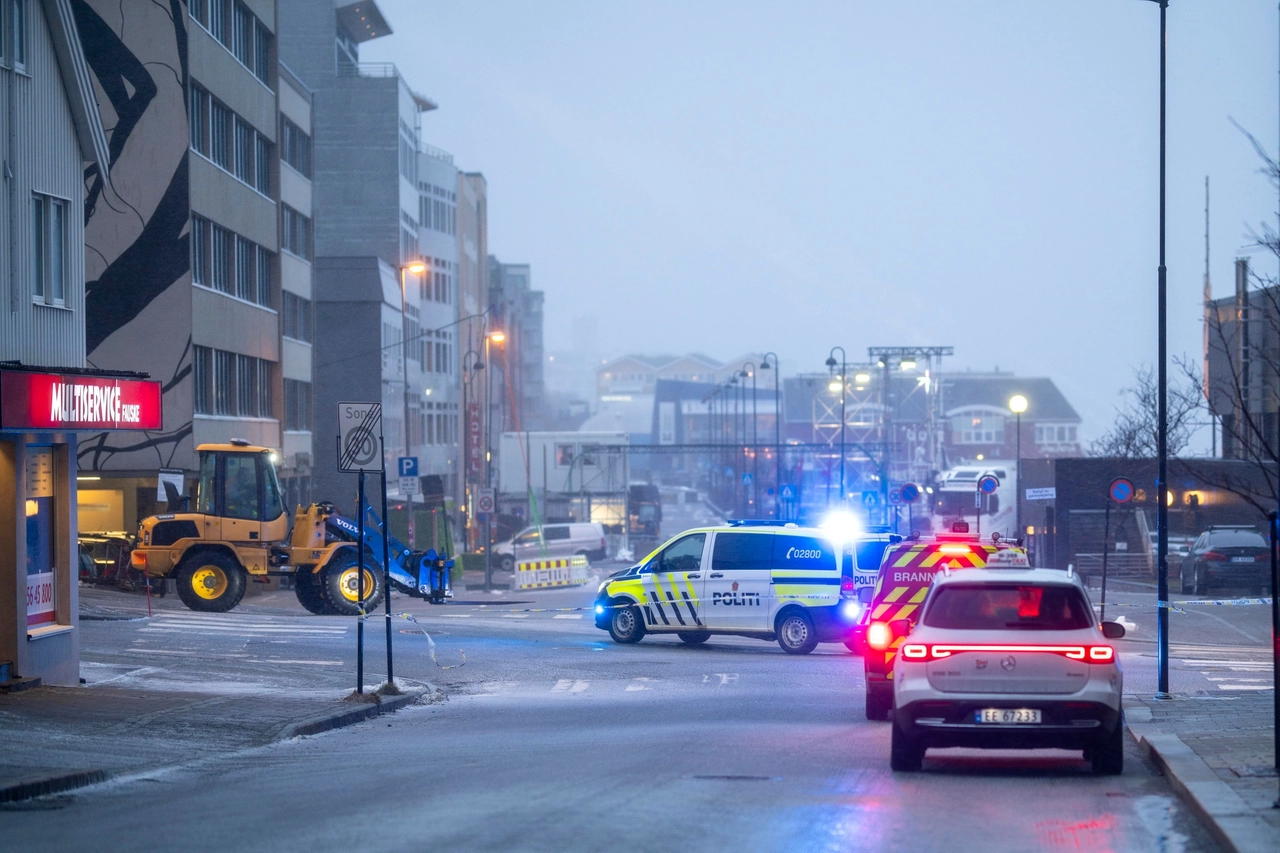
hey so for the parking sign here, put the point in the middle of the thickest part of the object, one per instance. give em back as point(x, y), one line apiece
point(408, 466)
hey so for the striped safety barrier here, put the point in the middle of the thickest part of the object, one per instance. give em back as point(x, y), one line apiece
point(538, 574)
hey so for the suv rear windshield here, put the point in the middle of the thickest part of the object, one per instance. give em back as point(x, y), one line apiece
point(996, 607)
point(1235, 539)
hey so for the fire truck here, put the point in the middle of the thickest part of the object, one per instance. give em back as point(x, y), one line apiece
point(906, 574)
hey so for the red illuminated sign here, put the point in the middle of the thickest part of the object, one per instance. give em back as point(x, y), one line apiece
point(61, 401)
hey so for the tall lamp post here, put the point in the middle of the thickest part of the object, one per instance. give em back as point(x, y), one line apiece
point(417, 268)
point(468, 376)
point(749, 372)
point(777, 432)
point(1162, 406)
point(497, 336)
point(831, 366)
point(736, 388)
point(1018, 405)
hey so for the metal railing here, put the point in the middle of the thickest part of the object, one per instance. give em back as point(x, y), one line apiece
point(367, 69)
point(437, 153)
point(1120, 564)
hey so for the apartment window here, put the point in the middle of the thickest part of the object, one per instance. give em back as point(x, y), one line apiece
point(49, 249)
point(297, 405)
point(242, 42)
point(296, 147)
point(246, 385)
point(200, 250)
point(199, 10)
point(244, 152)
point(19, 33)
point(261, 164)
point(220, 251)
point(976, 426)
point(218, 21)
point(202, 368)
point(261, 51)
point(297, 317)
point(224, 368)
point(297, 232)
point(264, 277)
point(246, 270)
point(264, 388)
point(200, 120)
point(220, 121)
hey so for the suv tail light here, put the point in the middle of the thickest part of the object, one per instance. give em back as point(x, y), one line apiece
point(938, 651)
point(1216, 557)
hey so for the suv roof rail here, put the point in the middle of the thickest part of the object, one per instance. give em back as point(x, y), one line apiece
point(1232, 527)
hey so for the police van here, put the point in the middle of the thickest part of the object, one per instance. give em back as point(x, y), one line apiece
point(764, 580)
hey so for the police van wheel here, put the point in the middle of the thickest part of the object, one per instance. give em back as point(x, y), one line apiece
point(796, 634)
point(1107, 755)
point(626, 626)
point(906, 755)
point(693, 638)
point(853, 646)
point(879, 703)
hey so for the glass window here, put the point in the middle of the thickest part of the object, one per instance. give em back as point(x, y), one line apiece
point(264, 277)
point(38, 248)
point(246, 270)
point(242, 486)
point(995, 607)
point(261, 164)
point(804, 552)
point(19, 32)
point(202, 367)
point(223, 381)
point(207, 494)
point(264, 388)
point(244, 152)
point(246, 386)
point(200, 120)
point(736, 551)
point(261, 51)
point(272, 504)
point(58, 250)
point(218, 21)
point(556, 532)
point(683, 555)
point(1236, 539)
point(41, 527)
point(220, 122)
point(869, 555)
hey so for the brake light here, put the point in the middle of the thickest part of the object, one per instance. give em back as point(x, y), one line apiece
point(846, 584)
point(1089, 654)
point(878, 636)
point(1216, 557)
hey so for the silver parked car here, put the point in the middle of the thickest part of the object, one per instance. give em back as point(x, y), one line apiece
point(551, 541)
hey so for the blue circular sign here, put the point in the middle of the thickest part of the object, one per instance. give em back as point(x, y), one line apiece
point(910, 492)
point(1121, 490)
point(988, 484)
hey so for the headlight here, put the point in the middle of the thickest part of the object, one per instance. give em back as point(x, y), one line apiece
point(599, 609)
point(600, 589)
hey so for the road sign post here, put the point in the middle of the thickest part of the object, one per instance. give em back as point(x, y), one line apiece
point(1121, 492)
point(360, 451)
point(987, 485)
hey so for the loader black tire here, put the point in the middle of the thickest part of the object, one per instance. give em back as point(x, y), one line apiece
point(306, 585)
point(338, 584)
point(211, 582)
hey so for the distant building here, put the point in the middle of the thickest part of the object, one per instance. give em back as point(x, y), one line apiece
point(1240, 368)
point(382, 330)
point(517, 310)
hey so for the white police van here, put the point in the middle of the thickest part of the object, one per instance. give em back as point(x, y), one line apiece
point(764, 580)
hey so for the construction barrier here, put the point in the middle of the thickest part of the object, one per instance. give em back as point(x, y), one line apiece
point(565, 571)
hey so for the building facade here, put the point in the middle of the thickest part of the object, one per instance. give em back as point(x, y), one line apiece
point(185, 260)
point(52, 135)
point(517, 310)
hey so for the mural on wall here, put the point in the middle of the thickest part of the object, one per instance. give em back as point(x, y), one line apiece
point(137, 258)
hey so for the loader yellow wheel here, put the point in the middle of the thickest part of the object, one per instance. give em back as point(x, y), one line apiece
point(212, 582)
point(349, 582)
point(340, 585)
point(209, 582)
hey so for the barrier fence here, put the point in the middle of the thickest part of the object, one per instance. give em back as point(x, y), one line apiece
point(538, 574)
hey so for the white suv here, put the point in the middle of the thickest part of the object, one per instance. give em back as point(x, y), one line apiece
point(1008, 657)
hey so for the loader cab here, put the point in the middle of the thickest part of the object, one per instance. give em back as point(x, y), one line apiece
point(238, 492)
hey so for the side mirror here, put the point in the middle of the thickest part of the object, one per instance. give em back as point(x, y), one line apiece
point(900, 628)
point(1112, 630)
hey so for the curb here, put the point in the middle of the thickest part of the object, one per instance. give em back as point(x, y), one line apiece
point(1229, 819)
point(341, 719)
point(52, 785)
point(64, 782)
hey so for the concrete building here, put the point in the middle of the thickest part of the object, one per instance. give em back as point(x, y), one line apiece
point(383, 331)
point(52, 136)
point(517, 310)
point(473, 304)
point(188, 247)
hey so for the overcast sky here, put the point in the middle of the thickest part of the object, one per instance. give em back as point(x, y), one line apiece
point(734, 176)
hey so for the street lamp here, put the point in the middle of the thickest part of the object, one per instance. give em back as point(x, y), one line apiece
point(1162, 432)
point(1018, 405)
point(750, 370)
point(497, 336)
point(831, 365)
point(417, 268)
point(468, 375)
point(777, 432)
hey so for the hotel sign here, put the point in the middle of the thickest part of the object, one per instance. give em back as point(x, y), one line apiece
point(68, 401)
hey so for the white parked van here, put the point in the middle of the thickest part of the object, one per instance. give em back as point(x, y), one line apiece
point(551, 541)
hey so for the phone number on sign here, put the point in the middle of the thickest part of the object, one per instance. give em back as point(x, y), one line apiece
point(40, 594)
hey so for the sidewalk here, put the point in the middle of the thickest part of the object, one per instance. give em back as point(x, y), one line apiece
point(1219, 753)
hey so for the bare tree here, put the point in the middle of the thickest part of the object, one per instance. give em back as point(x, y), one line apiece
point(1243, 371)
point(1135, 433)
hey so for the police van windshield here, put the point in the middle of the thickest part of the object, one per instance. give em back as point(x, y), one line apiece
point(992, 607)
